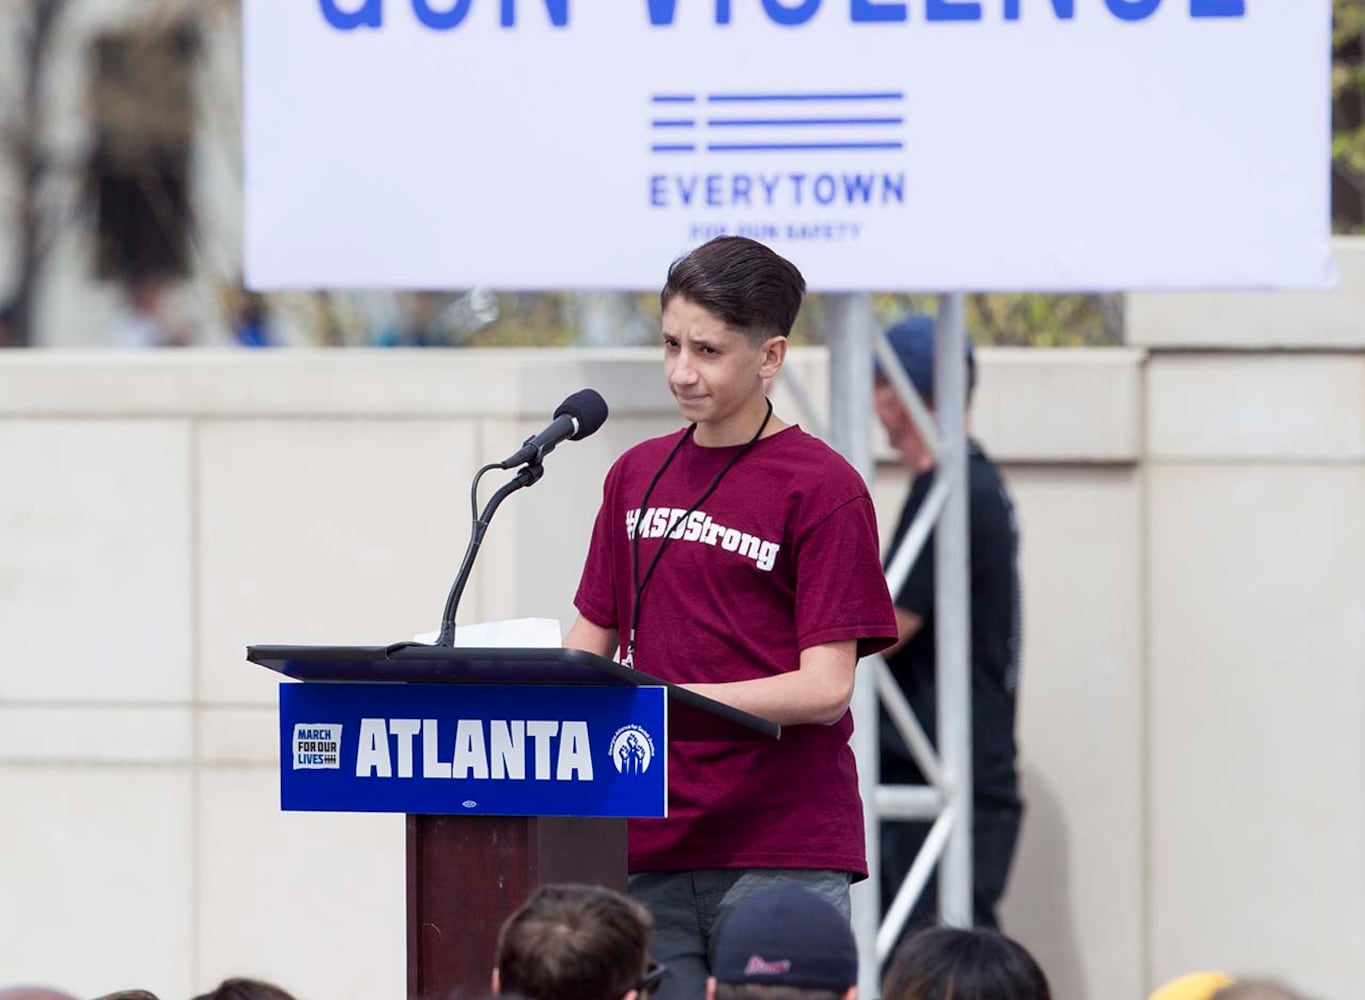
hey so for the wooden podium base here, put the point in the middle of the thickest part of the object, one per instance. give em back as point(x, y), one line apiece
point(466, 874)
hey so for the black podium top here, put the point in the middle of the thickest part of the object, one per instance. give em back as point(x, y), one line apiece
point(691, 717)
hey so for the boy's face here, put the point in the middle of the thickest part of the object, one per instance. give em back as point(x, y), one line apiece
point(900, 429)
point(714, 373)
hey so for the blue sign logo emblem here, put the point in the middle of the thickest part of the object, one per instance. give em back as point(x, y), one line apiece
point(632, 750)
point(317, 746)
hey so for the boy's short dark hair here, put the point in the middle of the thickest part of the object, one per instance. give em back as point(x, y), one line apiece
point(742, 282)
point(947, 963)
point(573, 942)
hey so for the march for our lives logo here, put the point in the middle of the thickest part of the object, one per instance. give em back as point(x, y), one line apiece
point(631, 750)
point(317, 746)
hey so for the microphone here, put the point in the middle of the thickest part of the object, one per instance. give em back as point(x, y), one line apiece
point(577, 417)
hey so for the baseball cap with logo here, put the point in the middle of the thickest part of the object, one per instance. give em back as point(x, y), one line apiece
point(786, 936)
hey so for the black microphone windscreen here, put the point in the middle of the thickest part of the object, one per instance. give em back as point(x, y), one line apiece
point(588, 408)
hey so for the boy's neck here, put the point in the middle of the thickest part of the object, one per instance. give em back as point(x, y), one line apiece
point(739, 428)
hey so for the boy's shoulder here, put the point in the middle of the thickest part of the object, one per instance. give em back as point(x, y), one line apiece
point(821, 469)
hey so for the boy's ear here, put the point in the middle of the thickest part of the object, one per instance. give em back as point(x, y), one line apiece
point(772, 354)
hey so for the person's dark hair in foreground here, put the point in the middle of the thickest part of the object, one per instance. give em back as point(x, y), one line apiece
point(575, 942)
point(946, 963)
point(245, 989)
point(129, 995)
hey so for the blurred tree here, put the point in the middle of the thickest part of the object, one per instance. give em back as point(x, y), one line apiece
point(1348, 116)
point(22, 147)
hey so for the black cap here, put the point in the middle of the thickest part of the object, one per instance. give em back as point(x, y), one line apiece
point(786, 936)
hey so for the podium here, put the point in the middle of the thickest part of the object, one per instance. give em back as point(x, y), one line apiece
point(515, 767)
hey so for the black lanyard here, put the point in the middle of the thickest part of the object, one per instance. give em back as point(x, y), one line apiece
point(638, 584)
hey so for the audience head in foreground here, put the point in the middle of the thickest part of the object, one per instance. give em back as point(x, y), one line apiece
point(1192, 986)
point(245, 989)
point(784, 943)
point(947, 963)
point(575, 942)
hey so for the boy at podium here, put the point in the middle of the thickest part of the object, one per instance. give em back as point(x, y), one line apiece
point(738, 557)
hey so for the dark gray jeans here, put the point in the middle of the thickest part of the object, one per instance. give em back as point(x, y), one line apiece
point(687, 906)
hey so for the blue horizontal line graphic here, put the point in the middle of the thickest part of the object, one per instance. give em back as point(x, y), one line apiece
point(673, 122)
point(763, 122)
point(896, 95)
point(756, 147)
point(671, 148)
point(674, 98)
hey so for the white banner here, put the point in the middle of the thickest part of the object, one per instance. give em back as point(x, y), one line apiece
point(933, 145)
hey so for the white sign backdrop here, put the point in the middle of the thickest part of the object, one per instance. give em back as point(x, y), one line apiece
point(931, 144)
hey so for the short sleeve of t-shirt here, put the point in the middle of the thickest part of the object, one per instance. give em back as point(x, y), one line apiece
point(840, 589)
point(596, 596)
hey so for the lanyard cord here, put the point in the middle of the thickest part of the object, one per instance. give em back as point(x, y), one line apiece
point(639, 584)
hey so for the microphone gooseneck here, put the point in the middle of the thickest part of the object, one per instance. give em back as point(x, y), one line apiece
point(579, 416)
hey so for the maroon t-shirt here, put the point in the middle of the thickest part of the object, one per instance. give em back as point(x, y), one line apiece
point(782, 556)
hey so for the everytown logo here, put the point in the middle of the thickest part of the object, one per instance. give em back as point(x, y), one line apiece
point(447, 15)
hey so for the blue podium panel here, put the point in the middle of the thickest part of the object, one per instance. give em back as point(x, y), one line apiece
point(469, 749)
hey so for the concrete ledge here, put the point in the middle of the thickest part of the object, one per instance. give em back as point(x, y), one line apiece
point(1060, 405)
point(1258, 320)
point(1278, 407)
point(320, 383)
point(1033, 405)
point(239, 736)
point(94, 734)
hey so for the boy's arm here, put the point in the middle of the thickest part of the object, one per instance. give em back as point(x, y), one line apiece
point(592, 638)
point(818, 691)
point(908, 625)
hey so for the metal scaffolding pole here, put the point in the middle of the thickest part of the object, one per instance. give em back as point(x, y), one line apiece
point(850, 433)
point(952, 609)
point(947, 799)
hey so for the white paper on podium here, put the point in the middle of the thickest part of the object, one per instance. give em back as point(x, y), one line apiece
point(514, 633)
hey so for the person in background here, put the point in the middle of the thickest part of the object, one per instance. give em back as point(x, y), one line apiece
point(950, 963)
point(7, 332)
point(995, 641)
point(252, 327)
point(144, 321)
